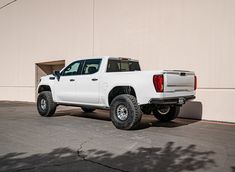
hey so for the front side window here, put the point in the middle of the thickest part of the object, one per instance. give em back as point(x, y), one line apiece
point(72, 69)
point(122, 66)
point(91, 66)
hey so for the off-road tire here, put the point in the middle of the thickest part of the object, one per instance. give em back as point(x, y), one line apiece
point(88, 110)
point(50, 104)
point(134, 112)
point(171, 115)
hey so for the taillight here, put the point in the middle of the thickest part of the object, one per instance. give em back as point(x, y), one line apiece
point(195, 82)
point(158, 82)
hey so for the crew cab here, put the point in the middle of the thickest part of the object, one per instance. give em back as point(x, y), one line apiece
point(117, 84)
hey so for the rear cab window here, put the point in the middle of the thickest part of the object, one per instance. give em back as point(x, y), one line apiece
point(122, 65)
point(91, 66)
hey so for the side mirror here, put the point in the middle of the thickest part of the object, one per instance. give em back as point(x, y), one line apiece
point(57, 74)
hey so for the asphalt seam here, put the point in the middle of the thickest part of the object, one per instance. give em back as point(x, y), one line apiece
point(94, 162)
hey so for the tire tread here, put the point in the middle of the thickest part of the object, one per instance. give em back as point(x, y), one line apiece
point(51, 104)
point(137, 111)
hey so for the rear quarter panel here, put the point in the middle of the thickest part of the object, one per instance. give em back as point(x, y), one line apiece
point(141, 81)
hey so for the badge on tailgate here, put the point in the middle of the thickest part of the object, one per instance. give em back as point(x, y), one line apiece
point(181, 100)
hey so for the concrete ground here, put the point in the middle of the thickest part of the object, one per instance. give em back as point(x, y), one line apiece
point(75, 141)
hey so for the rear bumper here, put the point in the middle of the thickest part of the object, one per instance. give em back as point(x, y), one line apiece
point(176, 100)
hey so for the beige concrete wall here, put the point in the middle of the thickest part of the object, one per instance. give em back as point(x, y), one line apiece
point(194, 35)
point(33, 31)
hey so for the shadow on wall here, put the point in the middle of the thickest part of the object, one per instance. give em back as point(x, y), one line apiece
point(168, 158)
point(192, 109)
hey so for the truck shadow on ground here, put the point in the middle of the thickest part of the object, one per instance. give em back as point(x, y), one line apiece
point(167, 158)
point(149, 121)
point(146, 122)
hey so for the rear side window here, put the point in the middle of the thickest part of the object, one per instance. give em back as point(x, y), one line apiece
point(91, 66)
point(122, 66)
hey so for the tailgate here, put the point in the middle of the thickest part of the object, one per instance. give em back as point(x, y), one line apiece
point(178, 80)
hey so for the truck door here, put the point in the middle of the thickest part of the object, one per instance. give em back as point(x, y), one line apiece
point(87, 89)
point(65, 88)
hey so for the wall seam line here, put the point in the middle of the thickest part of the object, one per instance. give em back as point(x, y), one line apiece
point(93, 29)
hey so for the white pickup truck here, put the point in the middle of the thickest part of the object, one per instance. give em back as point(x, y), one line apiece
point(117, 84)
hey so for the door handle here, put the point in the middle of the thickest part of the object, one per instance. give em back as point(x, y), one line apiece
point(71, 80)
point(94, 79)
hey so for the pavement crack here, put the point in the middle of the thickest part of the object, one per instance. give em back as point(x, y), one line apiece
point(83, 157)
point(99, 163)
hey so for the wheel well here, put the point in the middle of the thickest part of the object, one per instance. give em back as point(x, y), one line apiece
point(44, 88)
point(120, 90)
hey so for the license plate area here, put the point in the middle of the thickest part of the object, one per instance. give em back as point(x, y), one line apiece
point(181, 100)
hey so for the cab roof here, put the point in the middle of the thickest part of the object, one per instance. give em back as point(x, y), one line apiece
point(108, 57)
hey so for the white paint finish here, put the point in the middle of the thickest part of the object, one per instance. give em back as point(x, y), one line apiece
point(174, 81)
point(87, 90)
point(64, 89)
point(83, 91)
